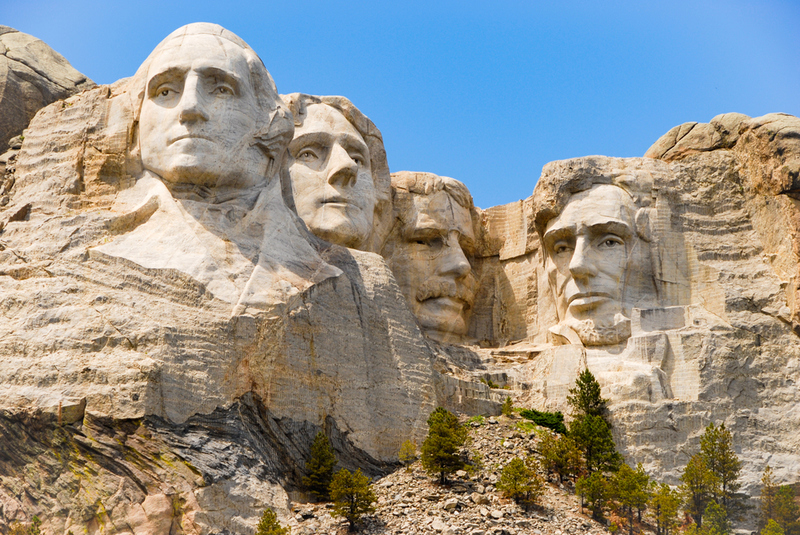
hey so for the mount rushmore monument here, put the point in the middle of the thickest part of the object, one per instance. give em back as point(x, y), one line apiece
point(199, 274)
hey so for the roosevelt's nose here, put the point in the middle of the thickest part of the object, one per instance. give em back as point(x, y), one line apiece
point(342, 169)
point(581, 265)
point(191, 103)
point(454, 262)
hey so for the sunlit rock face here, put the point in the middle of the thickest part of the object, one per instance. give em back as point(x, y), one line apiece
point(32, 75)
point(671, 278)
point(175, 334)
point(429, 250)
point(339, 178)
point(172, 313)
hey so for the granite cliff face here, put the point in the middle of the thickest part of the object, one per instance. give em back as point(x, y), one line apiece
point(175, 336)
point(716, 340)
point(32, 75)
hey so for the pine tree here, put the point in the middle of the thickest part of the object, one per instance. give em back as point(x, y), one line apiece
point(772, 528)
point(786, 510)
point(769, 496)
point(441, 447)
point(508, 408)
point(631, 488)
point(520, 481)
point(560, 456)
point(593, 438)
point(408, 454)
point(698, 483)
point(716, 447)
point(585, 397)
point(664, 504)
point(595, 491)
point(717, 522)
point(269, 524)
point(320, 466)
point(352, 496)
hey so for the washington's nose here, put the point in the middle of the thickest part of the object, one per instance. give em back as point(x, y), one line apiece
point(343, 169)
point(454, 261)
point(580, 264)
point(191, 103)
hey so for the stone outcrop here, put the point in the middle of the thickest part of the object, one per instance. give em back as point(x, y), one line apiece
point(32, 75)
point(719, 340)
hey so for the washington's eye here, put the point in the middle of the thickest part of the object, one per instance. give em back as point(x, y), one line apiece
point(223, 90)
point(164, 91)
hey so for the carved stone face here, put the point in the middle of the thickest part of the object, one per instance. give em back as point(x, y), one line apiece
point(198, 118)
point(431, 265)
point(592, 251)
point(332, 183)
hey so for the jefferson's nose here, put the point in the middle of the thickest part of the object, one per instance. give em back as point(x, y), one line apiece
point(342, 169)
point(580, 265)
point(191, 103)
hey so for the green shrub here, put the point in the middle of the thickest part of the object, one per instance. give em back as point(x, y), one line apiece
point(269, 524)
point(551, 420)
point(508, 408)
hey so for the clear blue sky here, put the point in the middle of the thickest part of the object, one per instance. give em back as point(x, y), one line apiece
point(484, 92)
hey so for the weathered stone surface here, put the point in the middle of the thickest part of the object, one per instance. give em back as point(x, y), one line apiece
point(717, 340)
point(32, 75)
point(339, 177)
point(429, 250)
point(174, 336)
point(146, 301)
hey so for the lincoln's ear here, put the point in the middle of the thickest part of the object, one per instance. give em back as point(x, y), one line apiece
point(643, 229)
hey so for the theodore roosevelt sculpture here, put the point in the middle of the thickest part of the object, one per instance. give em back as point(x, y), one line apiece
point(339, 176)
point(597, 258)
point(211, 134)
point(429, 251)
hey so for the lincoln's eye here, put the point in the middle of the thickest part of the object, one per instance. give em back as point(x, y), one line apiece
point(306, 155)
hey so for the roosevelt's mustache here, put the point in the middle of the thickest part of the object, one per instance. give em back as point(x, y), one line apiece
point(432, 289)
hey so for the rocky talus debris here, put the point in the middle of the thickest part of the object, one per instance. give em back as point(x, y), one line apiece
point(412, 502)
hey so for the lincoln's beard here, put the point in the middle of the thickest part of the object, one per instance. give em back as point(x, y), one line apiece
point(596, 334)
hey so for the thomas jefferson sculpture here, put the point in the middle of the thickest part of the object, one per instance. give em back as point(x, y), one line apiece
point(338, 171)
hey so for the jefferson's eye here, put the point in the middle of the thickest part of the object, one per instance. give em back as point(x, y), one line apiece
point(165, 92)
point(611, 242)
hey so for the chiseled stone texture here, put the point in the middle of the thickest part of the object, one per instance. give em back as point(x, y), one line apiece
point(32, 75)
point(173, 405)
point(720, 341)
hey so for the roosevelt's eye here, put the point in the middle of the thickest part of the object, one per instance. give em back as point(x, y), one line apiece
point(433, 242)
point(358, 159)
point(223, 90)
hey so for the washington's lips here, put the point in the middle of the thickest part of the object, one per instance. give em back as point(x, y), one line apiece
point(190, 136)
